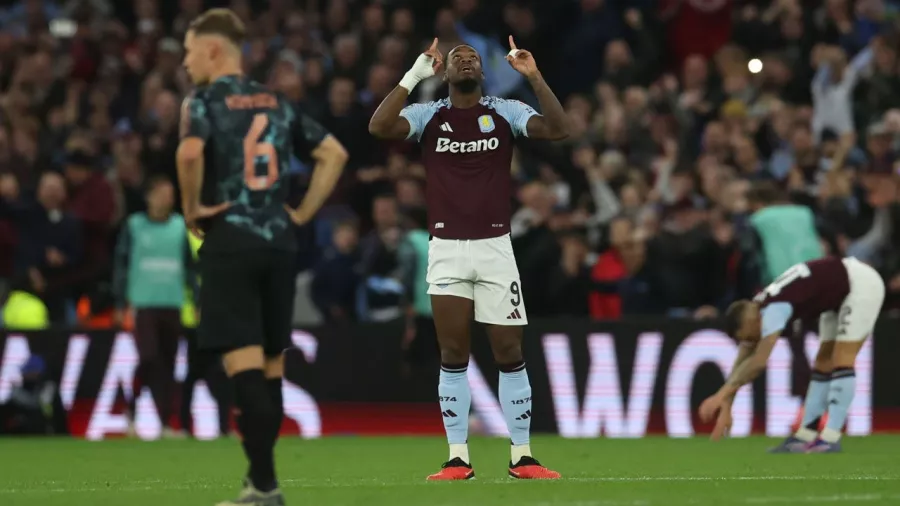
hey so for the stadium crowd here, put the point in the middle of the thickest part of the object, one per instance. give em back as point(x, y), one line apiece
point(713, 141)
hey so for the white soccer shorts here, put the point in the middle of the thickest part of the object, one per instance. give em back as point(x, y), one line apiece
point(483, 270)
point(859, 312)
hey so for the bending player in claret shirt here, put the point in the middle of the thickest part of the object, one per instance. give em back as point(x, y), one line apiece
point(237, 140)
point(467, 145)
point(846, 295)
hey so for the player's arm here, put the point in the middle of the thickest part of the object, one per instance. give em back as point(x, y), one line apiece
point(388, 122)
point(553, 124)
point(744, 373)
point(329, 157)
point(189, 159)
point(745, 351)
point(750, 368)
point(195, 130)
point(724, 421)
point(774, 318)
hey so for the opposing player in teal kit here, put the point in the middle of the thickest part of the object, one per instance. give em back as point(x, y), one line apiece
point(238, 138)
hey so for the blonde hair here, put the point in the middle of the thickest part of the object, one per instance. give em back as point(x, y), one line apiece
point(223, 22)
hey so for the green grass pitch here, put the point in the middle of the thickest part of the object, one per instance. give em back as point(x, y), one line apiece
point(391, 471)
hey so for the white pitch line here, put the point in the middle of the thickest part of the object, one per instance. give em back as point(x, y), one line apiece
point(53, 487)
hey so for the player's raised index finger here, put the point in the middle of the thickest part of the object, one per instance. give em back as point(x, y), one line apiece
point(512, 43)
point(434, 44)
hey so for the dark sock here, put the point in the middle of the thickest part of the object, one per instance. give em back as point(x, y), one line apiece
point(242, 429)
point(275, 393)
point(257, 413)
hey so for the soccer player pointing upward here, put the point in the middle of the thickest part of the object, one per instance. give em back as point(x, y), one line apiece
point(233, 161)
point(467, 145)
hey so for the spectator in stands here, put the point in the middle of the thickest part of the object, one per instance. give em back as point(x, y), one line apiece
point(419, 341)
point(382, 295)
point(568, 285)
point(832, 88)
point(9, 192)
point(610, 270)
point(688, 262)
point(677, 120)
point(160, 136)
point(50, 245)
point(535, 244)
point(640, 290)
point(128, 185)
point(336, 275)
point(91, 201)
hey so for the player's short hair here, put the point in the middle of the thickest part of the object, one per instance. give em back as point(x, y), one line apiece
point(462, 46)
point(734, 316)
point(223, 22)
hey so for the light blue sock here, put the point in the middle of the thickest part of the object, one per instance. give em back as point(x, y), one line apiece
point(515, 399)
point(815, 405)
point(456, 399)
point(840, 395)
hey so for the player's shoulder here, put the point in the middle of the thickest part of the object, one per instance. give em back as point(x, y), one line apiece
point(514, 112)
point(503, 104)
point(421, 114)
point(433, 105)
point(281, 101)
point(195, 98)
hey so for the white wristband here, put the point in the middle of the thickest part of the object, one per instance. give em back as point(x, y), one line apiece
point(421, 69)
point(409, 81)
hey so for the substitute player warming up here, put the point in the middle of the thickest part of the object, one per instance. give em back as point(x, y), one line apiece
point(846, 295)
point(467, 145)
point(233, 161)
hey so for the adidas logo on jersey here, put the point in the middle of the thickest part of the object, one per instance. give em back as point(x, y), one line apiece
point(444, 145)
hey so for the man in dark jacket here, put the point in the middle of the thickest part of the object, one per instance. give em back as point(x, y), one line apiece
point(336, 276)
point(50, 243)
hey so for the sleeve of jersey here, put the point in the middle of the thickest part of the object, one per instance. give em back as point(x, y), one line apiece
point(194, 120)
point(775, 318)
point(418, 115)
point(515, 113)
point(308, 134)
